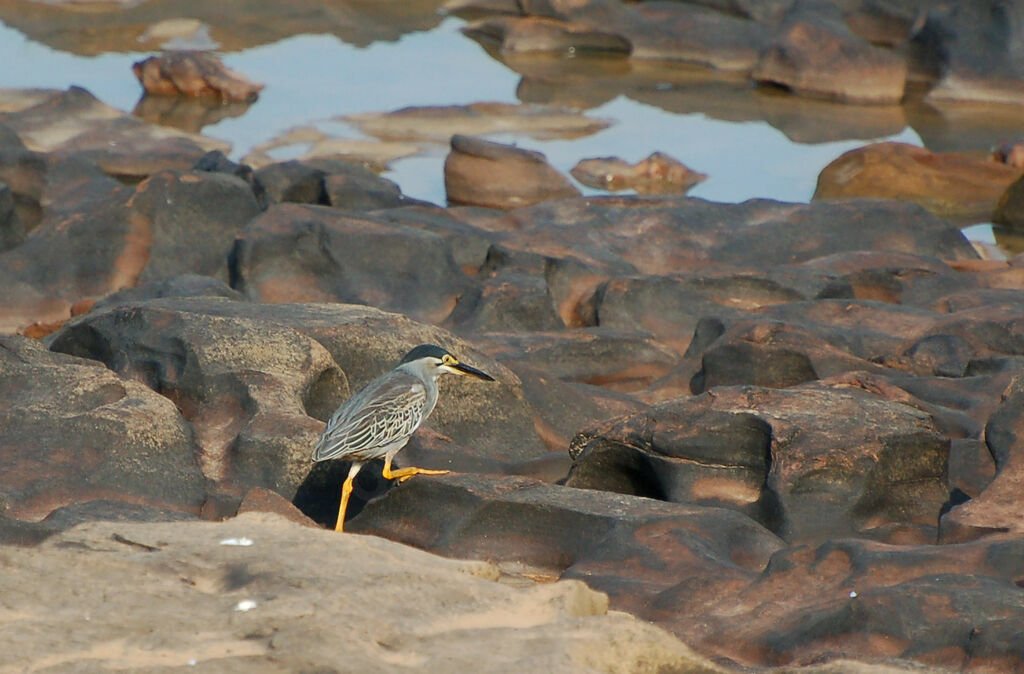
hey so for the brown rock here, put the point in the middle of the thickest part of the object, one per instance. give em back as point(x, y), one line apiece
point(437, 124)
point(243, 385)
point(483, 173)
point(971, 49)
point(949, 184)
point(294, 253)
point(193, 74)
point(996, 509)
point(134, 593)
point(630, 547)
point(72, 431)
point(631, 235)
point(658, 174)
point(262, 500)
point(816, 54)
point(122, 145)
point(807, 462)
point(537, 34)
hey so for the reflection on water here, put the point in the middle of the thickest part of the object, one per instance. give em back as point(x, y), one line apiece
point(750, 141)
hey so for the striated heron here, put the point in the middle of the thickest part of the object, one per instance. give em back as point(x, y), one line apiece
point(380, 418)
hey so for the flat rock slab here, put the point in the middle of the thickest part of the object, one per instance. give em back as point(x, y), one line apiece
point(235, 594)
point(437, 124)
point(623, 235)
point(76, 121)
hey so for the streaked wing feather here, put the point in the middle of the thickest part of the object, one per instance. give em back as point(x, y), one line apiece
point(388, 410)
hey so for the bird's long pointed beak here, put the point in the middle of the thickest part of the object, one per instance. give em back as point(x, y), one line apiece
point(462, 368)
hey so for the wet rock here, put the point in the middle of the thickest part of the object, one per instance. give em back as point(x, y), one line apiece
point(764, 353)
point(949, 184)
point(816, 54)
point(243, 385)
point(484, 173)
point(73, 431)
point(245, 574)
point(775, 455)
point(658, 174)
point(294, 253)
point(884, 23)
point(123, 146)
point(971, 51)
point(536, 34)
point(193, 74)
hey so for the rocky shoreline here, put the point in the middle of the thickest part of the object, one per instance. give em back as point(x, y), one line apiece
point(722, 437)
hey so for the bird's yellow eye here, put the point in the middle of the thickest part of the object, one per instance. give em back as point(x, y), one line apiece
point(448, 360)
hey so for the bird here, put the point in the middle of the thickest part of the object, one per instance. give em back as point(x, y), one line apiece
point(378, 420)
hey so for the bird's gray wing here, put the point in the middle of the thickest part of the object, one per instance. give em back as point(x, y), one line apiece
point(388, 410)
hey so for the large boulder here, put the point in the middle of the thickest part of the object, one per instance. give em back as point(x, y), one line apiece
point(808, 462)
point(73, 431)
point(816, 54)
point(485, 173)
point(247, 387)
point(973, 50)
point(294, 253)
point(949, 184)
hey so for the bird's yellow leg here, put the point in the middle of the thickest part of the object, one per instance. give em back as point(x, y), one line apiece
point(346, 491)
point(403, 474)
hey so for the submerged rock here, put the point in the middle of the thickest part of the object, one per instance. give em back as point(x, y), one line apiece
point(657, 174)
point(193, 74)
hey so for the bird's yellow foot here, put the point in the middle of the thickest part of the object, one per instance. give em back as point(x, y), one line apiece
point(403, 474)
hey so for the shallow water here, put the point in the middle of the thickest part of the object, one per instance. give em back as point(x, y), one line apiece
point(726, 129)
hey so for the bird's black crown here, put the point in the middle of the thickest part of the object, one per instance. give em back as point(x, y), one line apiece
point(423, 351)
